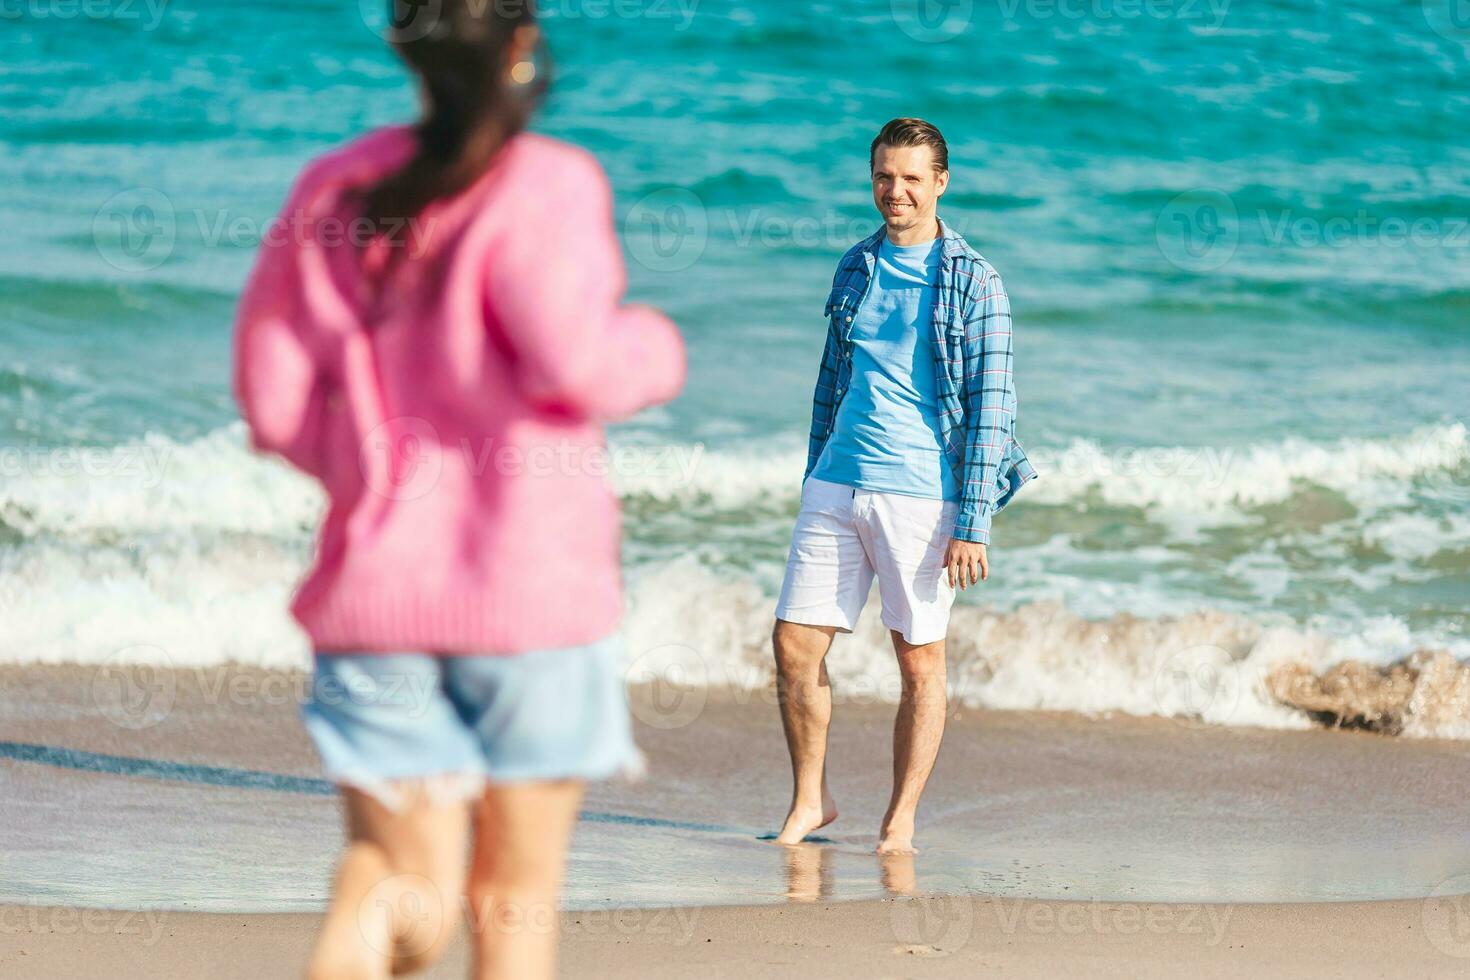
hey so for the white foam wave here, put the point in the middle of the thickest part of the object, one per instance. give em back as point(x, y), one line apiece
point(206, 606)
point(186, 553)
point(215, 483)
point(184, 603)
point(691, 629)
point(1369, 472)
point(156, 485)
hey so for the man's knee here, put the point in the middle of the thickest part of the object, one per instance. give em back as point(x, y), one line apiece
point(798, 646)
point(921, 666)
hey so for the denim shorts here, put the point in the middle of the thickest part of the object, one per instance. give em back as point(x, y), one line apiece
point(452, 724)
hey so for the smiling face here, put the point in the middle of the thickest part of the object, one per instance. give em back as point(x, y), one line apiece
point(906, 190)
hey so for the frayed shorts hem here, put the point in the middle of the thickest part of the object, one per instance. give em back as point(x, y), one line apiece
point(439, 789)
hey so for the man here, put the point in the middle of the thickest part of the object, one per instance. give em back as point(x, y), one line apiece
point(912, 451)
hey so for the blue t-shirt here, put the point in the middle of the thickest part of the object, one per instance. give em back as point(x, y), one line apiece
point(886, 435)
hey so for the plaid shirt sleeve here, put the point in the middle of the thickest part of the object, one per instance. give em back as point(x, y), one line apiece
point(823, 400)
point(990, 399)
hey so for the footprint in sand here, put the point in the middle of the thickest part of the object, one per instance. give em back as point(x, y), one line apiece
point(918, 950)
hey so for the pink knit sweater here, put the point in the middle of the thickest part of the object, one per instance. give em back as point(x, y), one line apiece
point(455, 420)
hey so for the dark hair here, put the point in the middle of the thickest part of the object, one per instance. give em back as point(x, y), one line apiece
point(458, 50)
point(912, 132)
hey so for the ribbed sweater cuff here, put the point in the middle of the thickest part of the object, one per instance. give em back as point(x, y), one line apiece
point(459, 624)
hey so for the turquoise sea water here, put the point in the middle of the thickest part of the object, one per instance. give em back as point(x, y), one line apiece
point(1236, 237)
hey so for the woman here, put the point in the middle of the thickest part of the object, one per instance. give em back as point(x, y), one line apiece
point(435, 332)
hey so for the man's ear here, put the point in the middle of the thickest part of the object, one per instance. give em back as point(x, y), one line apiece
point(943, 181)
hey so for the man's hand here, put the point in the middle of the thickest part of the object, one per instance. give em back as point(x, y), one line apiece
point(966, 562)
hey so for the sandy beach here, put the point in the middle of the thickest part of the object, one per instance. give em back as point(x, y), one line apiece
point(1049, 843)
point(1210, 710)
point(882, 938)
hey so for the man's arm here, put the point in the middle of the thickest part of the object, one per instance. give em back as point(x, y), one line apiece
point(989, 398)
point(824, 401)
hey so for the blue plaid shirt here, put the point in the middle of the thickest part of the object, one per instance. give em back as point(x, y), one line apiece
point(973, 358)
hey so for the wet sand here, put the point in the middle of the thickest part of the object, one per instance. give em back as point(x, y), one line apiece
point(880, 938)
point(1042, 838)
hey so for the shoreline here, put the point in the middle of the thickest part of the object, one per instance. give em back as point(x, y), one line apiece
point(211, 800)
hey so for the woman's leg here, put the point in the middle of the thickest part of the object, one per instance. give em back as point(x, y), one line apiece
point(521, 839)
point(400, 882)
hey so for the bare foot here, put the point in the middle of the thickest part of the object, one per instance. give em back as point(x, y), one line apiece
point(897, 836)
point(802, 820)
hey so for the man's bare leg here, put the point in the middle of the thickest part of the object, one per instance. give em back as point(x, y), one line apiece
point(806, 712)
point(917, 731)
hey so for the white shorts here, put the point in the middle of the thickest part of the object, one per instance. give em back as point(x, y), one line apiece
point(845, 537)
